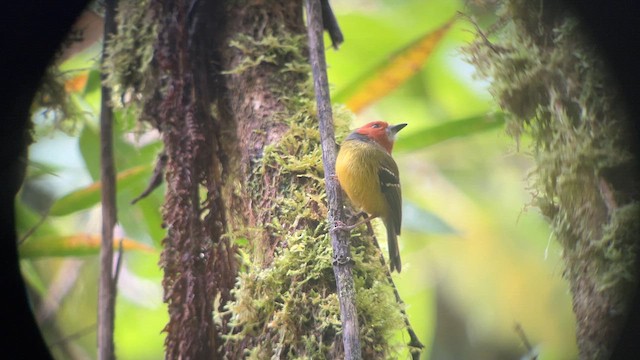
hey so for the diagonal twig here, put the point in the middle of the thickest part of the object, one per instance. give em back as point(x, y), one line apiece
point(531, 353)
point(33, 228)
point(156, 177)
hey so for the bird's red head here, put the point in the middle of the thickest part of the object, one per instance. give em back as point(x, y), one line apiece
point(381, 132)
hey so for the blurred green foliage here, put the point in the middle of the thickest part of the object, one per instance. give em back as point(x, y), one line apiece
point(477, 260)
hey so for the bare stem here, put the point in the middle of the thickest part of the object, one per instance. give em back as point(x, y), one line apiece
point(106, 292)
point(342, 265)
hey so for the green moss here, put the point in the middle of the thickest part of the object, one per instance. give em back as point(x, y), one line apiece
point(270, 49)
point(127, 67)
point(618, 248)
point(53, 102)
point(290, 303)
point(130, 52)
point(555, 87)
point(285, 302)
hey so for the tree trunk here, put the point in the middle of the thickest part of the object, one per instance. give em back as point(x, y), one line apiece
point(247, 257)
point(199, 263)
point(555, 86)
point(285, 303)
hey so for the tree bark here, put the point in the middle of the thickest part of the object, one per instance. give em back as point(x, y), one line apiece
point(198, 262)
point(555, 86)
point(286, 303)
point(342, 263)
point(107, 289)
point(229, 88)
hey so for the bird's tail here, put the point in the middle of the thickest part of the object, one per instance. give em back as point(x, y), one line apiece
point(392, 244)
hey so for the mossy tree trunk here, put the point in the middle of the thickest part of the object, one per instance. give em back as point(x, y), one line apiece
point(285, 303)
point(228, 85)
point(199, 264)
point(551, 80)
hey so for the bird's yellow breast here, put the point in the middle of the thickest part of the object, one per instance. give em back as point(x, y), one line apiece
point(357, 168)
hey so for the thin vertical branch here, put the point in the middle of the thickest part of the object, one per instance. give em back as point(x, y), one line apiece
point(339, 239)
point(106, 292)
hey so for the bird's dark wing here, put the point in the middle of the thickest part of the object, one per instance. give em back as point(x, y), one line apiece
point(390, 186)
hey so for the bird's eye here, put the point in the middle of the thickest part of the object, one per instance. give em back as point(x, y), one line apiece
point(375, 126)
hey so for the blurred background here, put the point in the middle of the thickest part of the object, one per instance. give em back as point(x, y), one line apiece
point(482, 272)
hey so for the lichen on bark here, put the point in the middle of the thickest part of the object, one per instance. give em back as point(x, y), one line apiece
point(286, 304)
point(129, 63)
point(163, 62)
point(229, 87)
point(555, 87)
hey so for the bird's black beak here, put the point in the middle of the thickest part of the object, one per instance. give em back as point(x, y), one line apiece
point(395, 128)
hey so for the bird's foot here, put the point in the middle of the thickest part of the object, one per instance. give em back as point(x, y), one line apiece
point(355, 217)
point(340, 226)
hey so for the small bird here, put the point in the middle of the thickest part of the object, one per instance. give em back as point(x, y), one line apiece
point(369, 175)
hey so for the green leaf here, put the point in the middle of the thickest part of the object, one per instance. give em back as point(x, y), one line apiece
point(32, 278)
point(94, 82)
point(126, 154)
point(417, 219)
point(453, 129)
point(143, 220)
point(73, 245)
point(89, 196)
point(36, 169)
point(151, 214)
point(83, 60)
point(27, 219)
point(89, 143)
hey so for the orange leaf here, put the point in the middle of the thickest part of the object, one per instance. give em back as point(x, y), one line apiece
point(74, 245)
point(76, 83)
point(396, 70)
